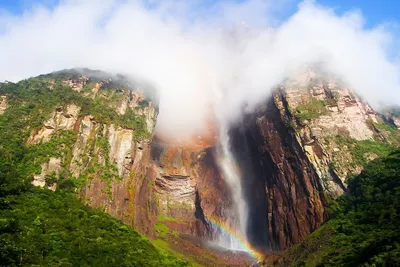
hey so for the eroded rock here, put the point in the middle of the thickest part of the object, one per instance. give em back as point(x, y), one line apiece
point(77, 84)
point(53, 167)
point(59, 120)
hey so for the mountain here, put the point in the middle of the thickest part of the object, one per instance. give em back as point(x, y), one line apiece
point(39, 144)
point(261, 186)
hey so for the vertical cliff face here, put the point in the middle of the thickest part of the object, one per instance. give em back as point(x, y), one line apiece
point(282, 188)
point(297, 149)
point(129, 194)
point(337, 129)
point(292, 153)
point(108, 159)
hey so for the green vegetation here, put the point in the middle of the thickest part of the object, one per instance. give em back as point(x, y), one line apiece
point(311, 110)
point(31, 103)
point(170, 241)
point(166, 218)
point(364, 225)
point(39, 227)
point(360, 148)
point(132, 121)
point(386, 127)
point(108, 115)
point(162, 230)
point(391, 133)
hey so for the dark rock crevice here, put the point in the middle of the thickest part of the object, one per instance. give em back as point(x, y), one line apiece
point(201, 221)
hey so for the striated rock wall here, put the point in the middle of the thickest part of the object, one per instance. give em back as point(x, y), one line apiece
point(283, 191)
point(116, 169)
point(131, 196)
point(86, 128)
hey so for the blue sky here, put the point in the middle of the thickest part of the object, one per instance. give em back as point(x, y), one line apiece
point(375, 12)
point(17, 6)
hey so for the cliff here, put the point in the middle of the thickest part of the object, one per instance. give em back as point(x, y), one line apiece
point(97, 130)
point(285, 197)
point(298, 150)
point(94, 132)
point(338, 130)
point(295, 152)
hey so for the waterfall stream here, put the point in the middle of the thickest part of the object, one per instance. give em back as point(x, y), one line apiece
point(237, 220)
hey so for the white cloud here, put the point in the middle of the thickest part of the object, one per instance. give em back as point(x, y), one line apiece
point(185, 49)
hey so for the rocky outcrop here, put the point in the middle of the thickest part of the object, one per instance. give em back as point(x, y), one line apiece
point(116, 168)
point(396, 121)
point(77, 84)
point(392, 116)
point(61, 119)
point(3, 104)
point(136, 98)
point(49, 169)
point(343, 111)
point(150, 114)
point(96, 89)
point(319, 107)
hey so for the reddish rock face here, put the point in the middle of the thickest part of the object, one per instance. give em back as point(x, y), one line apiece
point(188, 185)
point(284, 195)
point(282, 190)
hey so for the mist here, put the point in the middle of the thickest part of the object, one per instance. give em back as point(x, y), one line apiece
point(204, 60)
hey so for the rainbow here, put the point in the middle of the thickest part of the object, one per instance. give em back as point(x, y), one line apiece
point(229, 231)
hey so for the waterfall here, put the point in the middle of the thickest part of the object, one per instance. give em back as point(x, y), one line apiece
point(236, 222)
point(238, 219)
